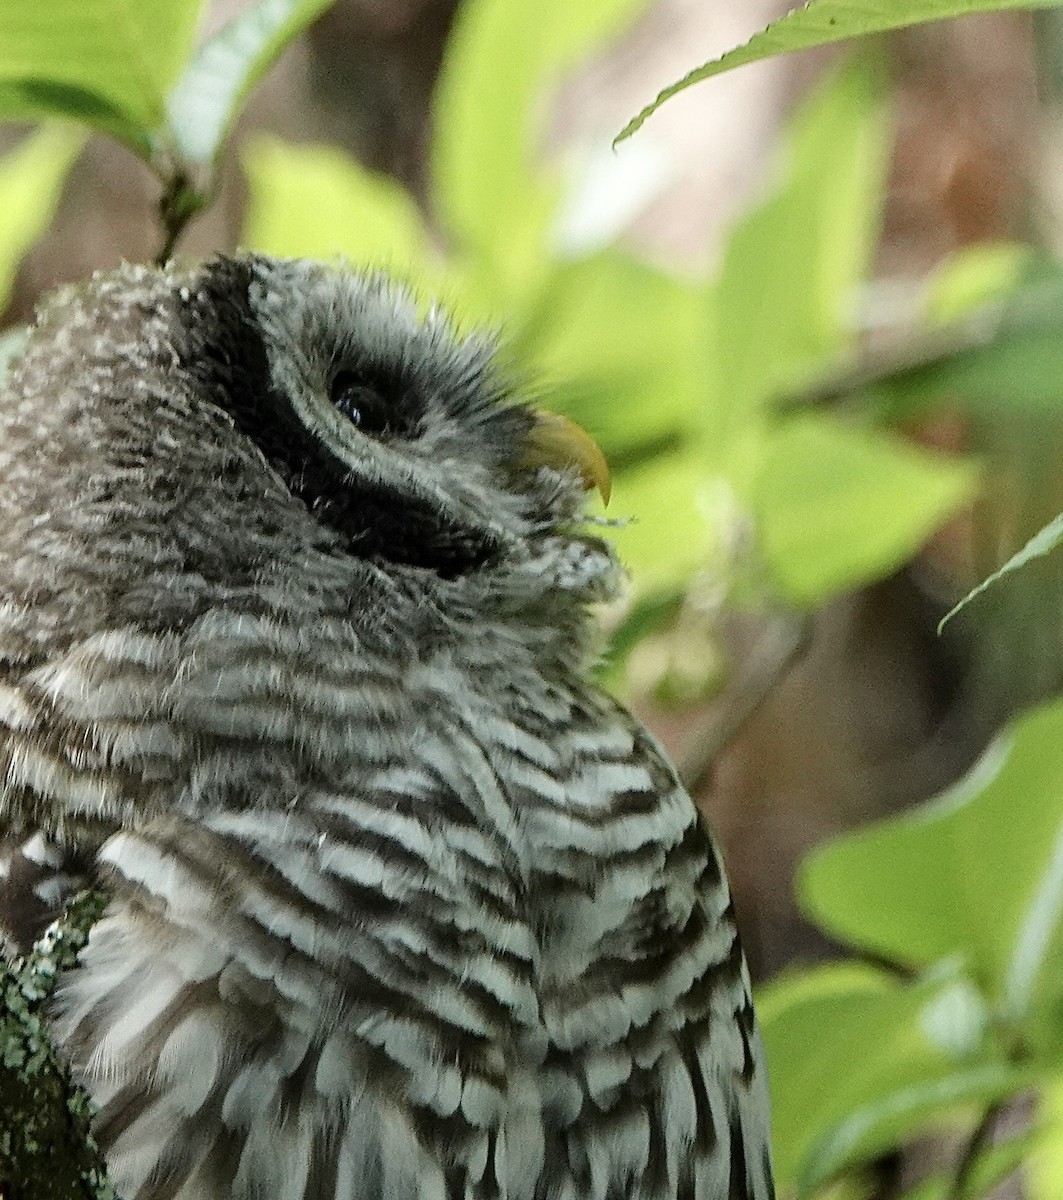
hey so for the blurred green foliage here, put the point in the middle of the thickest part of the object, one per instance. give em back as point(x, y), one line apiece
point(860, 1060)
point(963, 897)
point(737, 467)
point(31, 177)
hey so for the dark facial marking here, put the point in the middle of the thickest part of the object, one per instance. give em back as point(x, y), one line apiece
point(378, 522)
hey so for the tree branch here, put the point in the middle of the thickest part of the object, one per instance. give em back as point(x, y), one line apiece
point(47, 1151)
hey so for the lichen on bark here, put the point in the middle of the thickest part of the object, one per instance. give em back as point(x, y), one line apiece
point(47, 1151)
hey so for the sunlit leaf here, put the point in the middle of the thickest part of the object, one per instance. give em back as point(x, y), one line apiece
point(365, 217)
point(604, 190)
point(1005, 358)
point(207, 97)
point(858, 1061)
point(671, 524)
point(784, 298)
point(977, 873)
point(974, 276)
point(31, 179)
point(624, 344)
point(493, 195)
point(1043, 1172)
point(109, 63)
point(821, 22)
point(837, 506)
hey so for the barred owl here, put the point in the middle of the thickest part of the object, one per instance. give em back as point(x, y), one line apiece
point(294, 614)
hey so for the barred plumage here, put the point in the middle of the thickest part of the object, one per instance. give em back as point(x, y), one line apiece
point(403, 908)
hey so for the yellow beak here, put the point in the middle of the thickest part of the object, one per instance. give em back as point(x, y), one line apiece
point(555, 441)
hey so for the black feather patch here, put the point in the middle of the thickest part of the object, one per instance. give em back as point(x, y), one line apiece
point(740, 1187)
point(377, 521)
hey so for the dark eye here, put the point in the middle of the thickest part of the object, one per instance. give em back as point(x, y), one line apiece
point(361, 404)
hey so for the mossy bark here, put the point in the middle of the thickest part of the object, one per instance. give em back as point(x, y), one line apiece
point(47, 1151)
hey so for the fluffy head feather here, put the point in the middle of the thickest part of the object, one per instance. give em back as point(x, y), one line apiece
point(243, 376)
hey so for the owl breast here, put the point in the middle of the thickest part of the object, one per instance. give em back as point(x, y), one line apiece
point(364, 974)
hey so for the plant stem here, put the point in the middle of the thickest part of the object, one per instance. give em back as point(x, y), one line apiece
point(976, 1143)
point(741, 700)
point(178, 204)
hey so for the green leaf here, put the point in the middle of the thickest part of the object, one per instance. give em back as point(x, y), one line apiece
point(838, 506)
point(501, 57)
point(859, 1060)
point(1005, 358)
point(208, 96)
point(367, 218)
point(975, 276)
point(30, 99)
point(31, 180)
point(978, 873)
point(792, 266)
point(821, 22)
point(671, 527)
point(623, 343)
point(109, 63)
point(1042, 542)
point(1044, 1166)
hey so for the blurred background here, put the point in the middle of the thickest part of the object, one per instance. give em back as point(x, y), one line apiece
point(810, 717)
point(812, 310)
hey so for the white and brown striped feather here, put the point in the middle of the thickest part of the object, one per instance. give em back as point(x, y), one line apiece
point(402, 907)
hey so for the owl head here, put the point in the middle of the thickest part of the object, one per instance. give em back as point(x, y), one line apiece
point(179, 438)
point(401, 436)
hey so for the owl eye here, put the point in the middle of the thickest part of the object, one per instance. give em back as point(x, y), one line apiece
point(361, 404)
